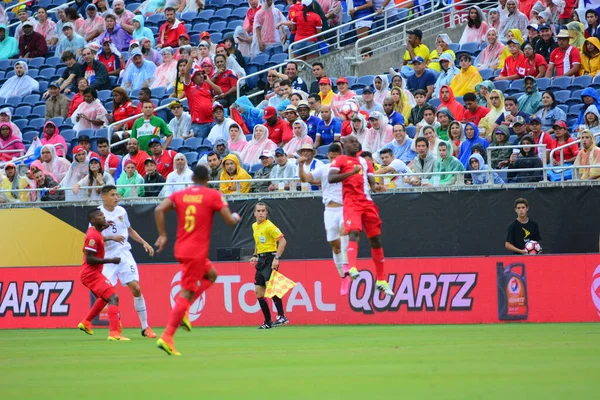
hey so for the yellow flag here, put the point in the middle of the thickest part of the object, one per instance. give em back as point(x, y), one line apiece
point(278, 285)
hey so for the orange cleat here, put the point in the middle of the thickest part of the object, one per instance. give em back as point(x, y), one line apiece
point(86, 326)
point(149, 333)
point(166, 344)
point(116, 336)
point(120, 327)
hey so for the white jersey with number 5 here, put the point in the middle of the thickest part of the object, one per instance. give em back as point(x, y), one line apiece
point(118, 224)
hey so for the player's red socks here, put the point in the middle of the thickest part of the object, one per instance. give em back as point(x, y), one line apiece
point(352, 253)
point(113, 318)
point(377, 257)
point(96, 309)
point(181, 306)
point(204, 284)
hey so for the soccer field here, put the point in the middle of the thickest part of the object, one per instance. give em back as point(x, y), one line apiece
point(517, 361)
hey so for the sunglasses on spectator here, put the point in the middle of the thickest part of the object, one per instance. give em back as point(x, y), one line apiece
point(495, 98)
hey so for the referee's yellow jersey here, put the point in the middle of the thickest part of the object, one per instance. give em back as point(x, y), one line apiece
point(266, 235)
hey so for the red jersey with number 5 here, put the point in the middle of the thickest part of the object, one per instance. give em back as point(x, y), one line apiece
point(195, 207)
point(94, 242)
point(355, 188)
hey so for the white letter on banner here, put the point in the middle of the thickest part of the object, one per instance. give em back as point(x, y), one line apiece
point(227, 280)
point(247, 308)
point(319, 299)
point(29, 297)
point(303, 299)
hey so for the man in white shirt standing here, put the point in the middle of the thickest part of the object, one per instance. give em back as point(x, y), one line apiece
point(285, 168)
point(333, 215)
point(390, 165)
point(221, 128)
point(181, 124)
point(116, 236)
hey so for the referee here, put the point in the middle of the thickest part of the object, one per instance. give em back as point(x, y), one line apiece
point(269, 245)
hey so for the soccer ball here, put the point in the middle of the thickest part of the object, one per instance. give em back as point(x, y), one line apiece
point(348, 109)
point(532, 247)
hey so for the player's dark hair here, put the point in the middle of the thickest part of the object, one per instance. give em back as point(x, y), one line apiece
point(222, 56)
point(469, 97)
point(521, 200)
point(262, 203)
point(213, 153)
point(102, 140)
point(146, 91)
point(386, 151)
point(169, 9)
point(92, 91)
point(285, 82)
point(420, 92)
point(335, 148)
point(443, 144)
point(108, 188)
point(315, 97)
point(429, 107)
point(513, 99)
point(201, 173)
point(318, 64)
point(421, 139)
point(67, 55)
point(92, 214)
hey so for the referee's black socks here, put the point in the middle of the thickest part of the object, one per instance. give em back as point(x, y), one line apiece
point(278, 305)
point(265, 309)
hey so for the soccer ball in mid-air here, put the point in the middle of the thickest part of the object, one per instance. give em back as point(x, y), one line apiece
point(348, 109)
point(532, 247)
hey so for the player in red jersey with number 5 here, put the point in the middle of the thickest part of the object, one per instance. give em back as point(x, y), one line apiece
point(92, 278)
point(356, 175)
point(195, 208)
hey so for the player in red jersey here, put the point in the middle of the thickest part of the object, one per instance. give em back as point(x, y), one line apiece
point(92, 278)
point(356, 175)
point(195, 208)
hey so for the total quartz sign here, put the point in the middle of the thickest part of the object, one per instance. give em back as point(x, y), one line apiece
point(427, 291)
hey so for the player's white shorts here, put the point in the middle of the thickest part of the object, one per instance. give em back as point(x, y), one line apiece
point(126, 271)
point(334, 222)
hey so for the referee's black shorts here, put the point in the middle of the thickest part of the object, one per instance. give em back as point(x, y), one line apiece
point(263, 268)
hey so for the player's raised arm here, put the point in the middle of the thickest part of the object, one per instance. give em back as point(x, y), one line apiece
point(230, 218)
point(159, 216)
point(335, 176)
point(90, 258)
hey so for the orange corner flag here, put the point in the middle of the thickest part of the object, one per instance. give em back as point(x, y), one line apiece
point(278, 285)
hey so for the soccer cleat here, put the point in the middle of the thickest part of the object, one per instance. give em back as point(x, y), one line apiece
point(266, 325)
point(117, 337)
point(185, 324)
point(353, 273)
point(345, 288)
point(167, 346)
point(383, 286)
point(149, 333)
point(281, 320)
point(86, 326)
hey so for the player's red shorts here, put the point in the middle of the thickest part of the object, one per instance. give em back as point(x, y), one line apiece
point(362, 214)
point(99, 285)
point(192, 271)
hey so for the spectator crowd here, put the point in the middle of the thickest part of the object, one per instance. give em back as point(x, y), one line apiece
point(435, 115)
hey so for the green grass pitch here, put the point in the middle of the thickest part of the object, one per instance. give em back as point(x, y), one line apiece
point(508, 361)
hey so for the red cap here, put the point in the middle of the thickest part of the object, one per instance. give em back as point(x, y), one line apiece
point(270, 112)
point(341, 80)
point(185, 35)
point(77, 149)
point(129, 162)
point(221, 45)
point(204, 34)
point(325, 81)
point(561, 124)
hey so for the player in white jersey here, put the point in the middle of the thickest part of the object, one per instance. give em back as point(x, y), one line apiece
point(119, 230)
point(333, 214)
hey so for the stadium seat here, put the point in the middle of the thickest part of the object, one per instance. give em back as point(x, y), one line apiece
point(279, 58)
point(58, 121)
point(222, 13)
point(23, 112)
point(501, 85)
point(204, 149)
point(435, 102)
point(188, 16)
point(543, 83)
point(240, 12)
point(159, 92)
point(215, 4)
point(47, 73)
point(455, 47)
point(575, 97)
point(561, 82)
point(193, 143)
point(366, 80)
point(562, 96)
point(517, 85)
point(574, 109)
point(176, 143)
point(21, 123)
point(234, 24)
point(581, 82)
point(191, 157)
point(36, 62)
point(5, 64)
point(351, 80)
point(29, 136)
point(33, 73)
point(322, 151)
point(37, 123)
point(206, 15)
point(217, 26)
point(101, 133)
point(254, 168)
point(486, 73)
point(411, 131)
point(88, 132)
point(104, 95)
point(470, 48)
point(157, 19)
point(200, 27)
point(13, 100)
point(133, 6)
point(207, 142)
point(564, 107)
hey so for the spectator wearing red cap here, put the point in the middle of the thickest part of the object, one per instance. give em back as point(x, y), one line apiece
point(226, 79)
point(280, 131)
point(205, 37)
point(169, 32)
point(163, 159)
point(199, 90)
point(110, 60)
point(184, 40)
point(325, 91)
point(565, 60)
point(344, 94)
point(131, 180)
point(562, 137)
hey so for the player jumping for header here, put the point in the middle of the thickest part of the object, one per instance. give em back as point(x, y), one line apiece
point(195, 208)
point(356, 175)
point(92, 278)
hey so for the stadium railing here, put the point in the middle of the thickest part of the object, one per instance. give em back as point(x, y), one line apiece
point(258, 73)
point(562, 155)
point(51, 10)
point(324, 39)
point(515, 146)
point(382, 40)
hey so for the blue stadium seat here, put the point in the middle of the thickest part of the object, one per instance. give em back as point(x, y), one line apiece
point(351, 80)
point(36, 62)
point(101, 133)
point(104, 95)
point(21, 123)
point(33, 73)
point(561, 82)
point(365, 80)
point(574, 109)
point(564, 107)
point(159, 92)
point(217, 26)
point(13, 100)
point(575, 97)
point(411, 131)
point(470, 48)
point(562, 96)
point(193, 143)
point(518, 85)
point(435, 102)
point(279, 58)
point(207, 142)
point(132, 6)
point(240, 12)
point(23, 112)
point(200, 27)
point(216, 37)
point(486, 73)
point(501, 85)
point(37, 123)
point(48, 73)
point(581, 82)
point(206, 15)
point(68, 134)
point(29, 136)
point(236, 3)
point(188, 16)
point(204, 149)
point(248, 137)
point(176, 143)
point(38, 111)
point(4, 64)
point(357, 87)
point(214, 5)
point(455, 47)
point(543, 83)
point(223, 13)
point(191, 157)
point(259, 59)
point(157, 19)
point(58, 121)
point(234, 24)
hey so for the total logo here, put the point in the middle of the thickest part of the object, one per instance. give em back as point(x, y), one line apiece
point(513, 285)
point(196, 308)
point(596, 289)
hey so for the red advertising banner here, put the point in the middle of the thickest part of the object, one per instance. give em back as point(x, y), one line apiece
point(427, 291)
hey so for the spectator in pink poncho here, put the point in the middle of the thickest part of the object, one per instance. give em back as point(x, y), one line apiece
point(300, 137)
point(266, 38)
point(52, 136)
point(254, 148)
point(53, 164)
point(237, 140)
point(343, 95)
point(253, 8)
point(476, 27)
point(380, 133)
point(9, 141)
point(5, 116)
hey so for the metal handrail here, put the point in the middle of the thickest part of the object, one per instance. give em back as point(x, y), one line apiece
point(243, 78)
point(562, 154)
point(337, 29)
point(52, 10)
point(374, 38)
point(518, 146)
point(22, 151)
point(111, 127)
